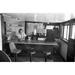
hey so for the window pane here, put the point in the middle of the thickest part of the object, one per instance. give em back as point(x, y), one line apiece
point(73, 32)
point(65, 32)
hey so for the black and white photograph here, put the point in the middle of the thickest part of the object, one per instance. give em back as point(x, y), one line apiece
point(37, 37)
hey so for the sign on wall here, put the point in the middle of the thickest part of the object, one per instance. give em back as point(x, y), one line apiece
point(14, 27)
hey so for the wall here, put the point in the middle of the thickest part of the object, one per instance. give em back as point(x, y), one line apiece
point(63, 50)
point(61, 30)
point(41, 17)
point(0, 35)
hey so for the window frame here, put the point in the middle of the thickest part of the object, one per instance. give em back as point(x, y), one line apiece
point(67, 32)
point(73, 24)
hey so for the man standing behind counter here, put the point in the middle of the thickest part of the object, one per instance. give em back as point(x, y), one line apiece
point(21, 35)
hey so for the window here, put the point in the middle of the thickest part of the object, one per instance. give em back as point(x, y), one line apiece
point(73, 32)
point(0, 35)
point(66, 32)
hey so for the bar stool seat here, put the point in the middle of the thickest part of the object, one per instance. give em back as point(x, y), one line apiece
point(32, 52)
point(16, 52)
point(46, 54)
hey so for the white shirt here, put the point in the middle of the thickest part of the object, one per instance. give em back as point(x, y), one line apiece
point(22, 36)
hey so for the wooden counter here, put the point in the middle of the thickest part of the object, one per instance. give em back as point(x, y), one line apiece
point(39, 46)
point(33, 42)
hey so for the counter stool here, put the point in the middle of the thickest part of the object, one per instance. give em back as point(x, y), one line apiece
point(4, 57)
point(35, 52)
point(31, 54)
point(46, 55)
point(48, 52)
point(14, 50)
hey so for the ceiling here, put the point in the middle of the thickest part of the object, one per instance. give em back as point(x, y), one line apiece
point(41, 17)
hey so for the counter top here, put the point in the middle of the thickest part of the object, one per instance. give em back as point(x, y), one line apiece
point(35, 42)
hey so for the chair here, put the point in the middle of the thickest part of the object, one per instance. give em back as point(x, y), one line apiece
point(48, 52)
point(4, 57)
point(46, 55)
point(14, 50)
point(31, 52)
